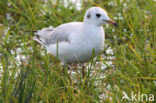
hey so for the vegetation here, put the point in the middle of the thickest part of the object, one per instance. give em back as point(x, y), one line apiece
point(28, 73)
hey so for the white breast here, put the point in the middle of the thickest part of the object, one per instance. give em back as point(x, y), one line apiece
point(92, 39)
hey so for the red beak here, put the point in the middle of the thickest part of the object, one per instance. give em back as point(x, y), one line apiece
point(113, 22)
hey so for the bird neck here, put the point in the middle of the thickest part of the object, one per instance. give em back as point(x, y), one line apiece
point(89, 25)
point(91, 30)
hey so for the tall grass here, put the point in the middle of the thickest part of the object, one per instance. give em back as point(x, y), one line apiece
point(29, 74)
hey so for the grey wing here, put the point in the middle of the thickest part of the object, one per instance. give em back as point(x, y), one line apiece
point(52, 35)
point(60, 34)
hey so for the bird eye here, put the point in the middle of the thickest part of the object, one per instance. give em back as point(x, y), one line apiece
point(98, 15)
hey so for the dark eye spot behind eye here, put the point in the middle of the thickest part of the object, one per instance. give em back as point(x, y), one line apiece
point(98, 15)
point(88, 16)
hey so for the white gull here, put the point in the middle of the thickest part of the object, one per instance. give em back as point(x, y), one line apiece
point(75, 42)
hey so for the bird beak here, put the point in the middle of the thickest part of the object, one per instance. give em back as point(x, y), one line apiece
point(112, 22)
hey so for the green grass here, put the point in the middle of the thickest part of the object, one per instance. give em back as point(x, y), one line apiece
point(36, 78)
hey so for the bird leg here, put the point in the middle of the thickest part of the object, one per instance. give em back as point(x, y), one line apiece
point(75, 68)
point(65, 67)
point(83, 71)
point(63, 70)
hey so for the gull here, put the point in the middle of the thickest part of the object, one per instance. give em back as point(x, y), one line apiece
point(75, 42)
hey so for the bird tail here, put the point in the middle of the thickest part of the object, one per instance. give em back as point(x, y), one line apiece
point(42, 35)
